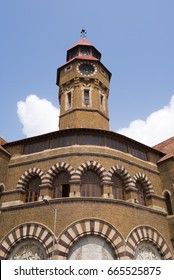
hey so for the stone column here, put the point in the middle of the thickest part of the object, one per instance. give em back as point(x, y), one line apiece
point(74, 188)
point(131, 194)
point(46, 191)
point(107, 189)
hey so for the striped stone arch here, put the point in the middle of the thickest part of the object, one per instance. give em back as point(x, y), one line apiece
point(146, 233)
point(145, 182)
point(120, 170)
point(25, 178)
point(89, 227)
point(56, 169)
point(28, 230)
point(94, 166)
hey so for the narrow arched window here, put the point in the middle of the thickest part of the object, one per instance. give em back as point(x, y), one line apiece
point(118, 187)
point(90, 184)
point(61, 186)
point(32, 189)
point(168, 203)
point(141, 194)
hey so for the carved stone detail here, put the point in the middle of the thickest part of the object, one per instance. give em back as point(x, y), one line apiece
point(91, 248)
point(147, 251)
point(28, 250)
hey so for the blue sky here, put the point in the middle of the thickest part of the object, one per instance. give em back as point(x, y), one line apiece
point(136, 39)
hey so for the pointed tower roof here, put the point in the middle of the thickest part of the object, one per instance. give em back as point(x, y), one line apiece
point(82, 50)
point(82, 42)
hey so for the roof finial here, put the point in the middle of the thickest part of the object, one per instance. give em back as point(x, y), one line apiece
point(83, 33)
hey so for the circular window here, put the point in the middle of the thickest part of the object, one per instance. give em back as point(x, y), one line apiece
point(91, 247)
point(86, 68)
point(28, 249)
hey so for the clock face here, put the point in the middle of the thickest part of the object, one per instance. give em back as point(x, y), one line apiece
point(86, 68)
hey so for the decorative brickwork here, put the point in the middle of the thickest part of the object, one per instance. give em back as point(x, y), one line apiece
point(147, 233)
point(24, 179)
point(123, 249)
point(56, 169)
point(118, 169)
point(92, 165)
point(87, 227)
point(145, 182)
point(28, 230)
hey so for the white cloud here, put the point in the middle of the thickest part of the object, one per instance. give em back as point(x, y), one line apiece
point(156, 128)
point(38, 116)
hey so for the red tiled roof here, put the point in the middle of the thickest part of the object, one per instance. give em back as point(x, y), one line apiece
point(82, 41)
point(2, 141)
point(166, 147)
point(85, 57)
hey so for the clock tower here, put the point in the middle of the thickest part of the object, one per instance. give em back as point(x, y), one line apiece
point(83, 88)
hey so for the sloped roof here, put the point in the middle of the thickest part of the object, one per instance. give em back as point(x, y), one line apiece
point(82, 41)
point(2, 142)
point(166, 147)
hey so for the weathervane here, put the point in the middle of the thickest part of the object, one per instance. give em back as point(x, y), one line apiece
point(83, 33)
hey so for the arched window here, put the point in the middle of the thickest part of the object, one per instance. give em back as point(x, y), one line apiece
point(91, 247)
point(118, 187)
point(147, 251)
point(90, 185)
point(61, 185)
point(28, 249)
point(141, 194)
point(32, 189)
point(168, 203)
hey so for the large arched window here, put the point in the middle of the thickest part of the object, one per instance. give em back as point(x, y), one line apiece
point(28, 249)
point(90, 185)
point(118, 187)
point(147, 251)
point(91, 247)
point(61, 185)
point(32, 189)
point(141, 194)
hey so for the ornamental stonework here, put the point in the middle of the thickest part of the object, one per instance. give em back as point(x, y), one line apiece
point(28, 250)
point(147, 251)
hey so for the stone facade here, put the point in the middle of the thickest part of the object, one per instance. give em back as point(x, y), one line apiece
point(67, 220)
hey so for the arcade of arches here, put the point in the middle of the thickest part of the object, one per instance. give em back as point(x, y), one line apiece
point(35, 242)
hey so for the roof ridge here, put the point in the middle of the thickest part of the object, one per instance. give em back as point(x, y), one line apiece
point(82, 41)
